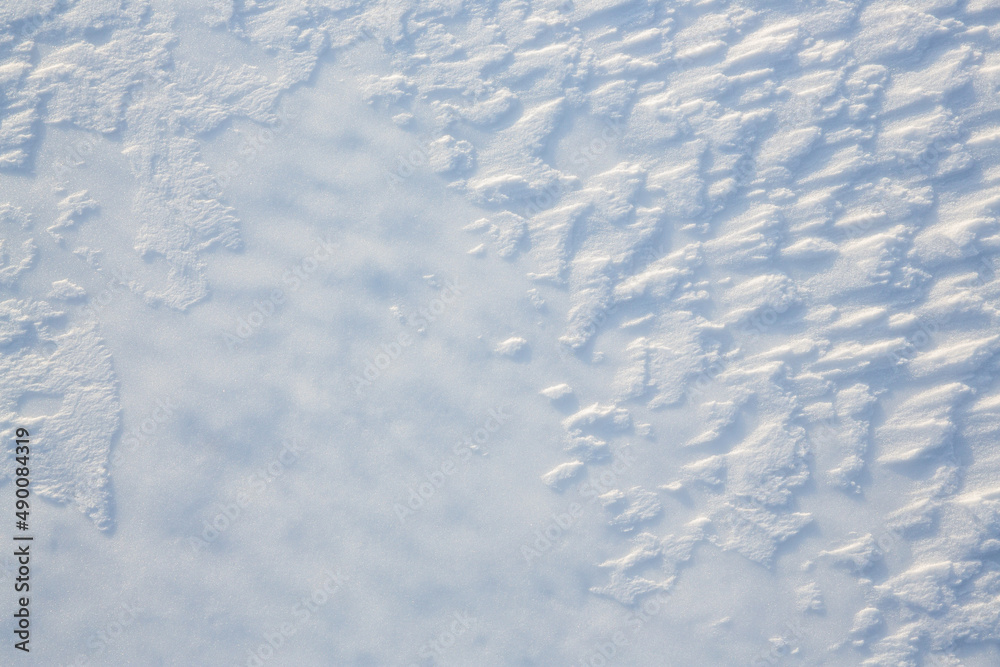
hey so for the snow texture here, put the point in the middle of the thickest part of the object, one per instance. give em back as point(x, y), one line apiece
point(518, 333)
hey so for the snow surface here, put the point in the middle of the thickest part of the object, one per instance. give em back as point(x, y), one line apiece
point(513, 333)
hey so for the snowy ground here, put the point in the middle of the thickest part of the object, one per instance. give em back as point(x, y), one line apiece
point(607, 332)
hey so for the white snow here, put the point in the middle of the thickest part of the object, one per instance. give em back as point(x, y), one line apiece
point(519, 333)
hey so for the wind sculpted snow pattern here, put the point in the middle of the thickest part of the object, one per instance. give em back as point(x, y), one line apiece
point(672, 325)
